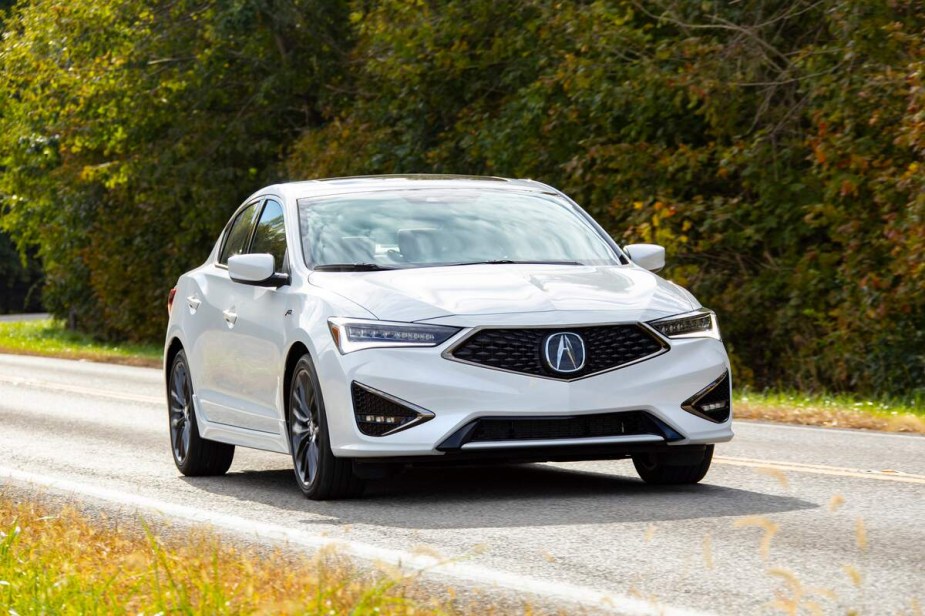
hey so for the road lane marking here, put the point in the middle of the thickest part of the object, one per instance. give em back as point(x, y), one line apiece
point(414, 561)
point(820, 469)
point(77, 389)
point(761, 424)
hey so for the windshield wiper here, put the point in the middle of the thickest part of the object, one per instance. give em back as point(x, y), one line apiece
point(352, 267)
point(510, 262)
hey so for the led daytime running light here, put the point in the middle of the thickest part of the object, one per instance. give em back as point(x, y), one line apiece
point(363, 333)
point(699, 324)
point(356, 334)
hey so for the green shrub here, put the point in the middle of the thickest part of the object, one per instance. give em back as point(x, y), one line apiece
point(774, 147)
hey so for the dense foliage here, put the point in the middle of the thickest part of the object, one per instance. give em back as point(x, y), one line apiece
point(20, 280)
point(130, 129)
point(775, 146)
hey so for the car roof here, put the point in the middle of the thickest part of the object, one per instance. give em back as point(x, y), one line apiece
point(332, 186)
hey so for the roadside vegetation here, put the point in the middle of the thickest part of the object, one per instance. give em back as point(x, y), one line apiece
point(776, 148)
point(831, 411)
point(51, 338)
point(56, 560)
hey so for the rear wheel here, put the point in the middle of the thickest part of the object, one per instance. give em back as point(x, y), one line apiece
point(320, 475)
point(193, 455)
point(669, 467)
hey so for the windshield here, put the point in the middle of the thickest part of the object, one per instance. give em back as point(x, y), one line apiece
point(430, 227)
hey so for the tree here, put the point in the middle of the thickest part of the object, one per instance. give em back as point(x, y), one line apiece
point(130, 130)
point(774, 146)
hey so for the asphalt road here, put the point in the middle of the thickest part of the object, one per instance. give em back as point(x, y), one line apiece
point(786, 513)
point(11, 318)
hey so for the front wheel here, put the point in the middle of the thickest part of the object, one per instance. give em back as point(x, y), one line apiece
point(681, 467)
point(193, 455)
point(320, 475)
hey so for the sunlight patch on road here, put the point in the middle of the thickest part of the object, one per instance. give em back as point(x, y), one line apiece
point(77, 389)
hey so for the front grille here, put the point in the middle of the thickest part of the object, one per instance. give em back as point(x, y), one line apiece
point(521, 350)
point(377, 415)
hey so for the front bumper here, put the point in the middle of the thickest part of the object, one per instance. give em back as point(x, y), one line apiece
point(458, 393)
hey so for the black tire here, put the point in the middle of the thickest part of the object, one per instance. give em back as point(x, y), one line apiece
point(320, 475)
point(193, 455)
point(671, 468)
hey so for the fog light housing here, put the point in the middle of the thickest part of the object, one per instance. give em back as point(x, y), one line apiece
point(714, 402)
point(380, 414)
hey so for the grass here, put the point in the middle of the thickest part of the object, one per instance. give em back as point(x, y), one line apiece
point(914, 406)
point(60, 561)
point(51, 338)
point(836, 411)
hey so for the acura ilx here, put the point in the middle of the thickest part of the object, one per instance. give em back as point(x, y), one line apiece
point(361, 325)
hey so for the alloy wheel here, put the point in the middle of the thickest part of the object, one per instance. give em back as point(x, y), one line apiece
point(181, 403)
point(304, 427)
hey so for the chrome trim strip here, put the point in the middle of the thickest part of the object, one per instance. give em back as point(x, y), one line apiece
point(448, 353)
point(559, 442)
point(690, 404)
point(423, 414)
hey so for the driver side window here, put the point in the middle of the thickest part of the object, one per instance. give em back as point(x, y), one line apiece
point(270, 235)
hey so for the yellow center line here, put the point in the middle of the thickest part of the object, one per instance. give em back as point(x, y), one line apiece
point(819, 469)
point(77, 389)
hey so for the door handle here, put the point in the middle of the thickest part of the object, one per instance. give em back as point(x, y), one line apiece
point(193, 302)
point(230, 317)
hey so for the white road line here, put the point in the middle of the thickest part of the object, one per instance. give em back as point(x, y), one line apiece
point(782, 426)
point(77, 389)
point(405, 561)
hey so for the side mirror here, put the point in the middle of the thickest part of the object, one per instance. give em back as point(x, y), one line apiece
point(649, 256)
point(255, 269)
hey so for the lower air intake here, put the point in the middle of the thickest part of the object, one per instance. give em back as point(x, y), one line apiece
point(497, 429)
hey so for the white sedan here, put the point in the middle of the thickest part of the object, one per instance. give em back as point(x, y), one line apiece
point(360, 325)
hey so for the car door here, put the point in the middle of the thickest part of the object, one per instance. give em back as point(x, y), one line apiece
point(256, 336)
point(211, 299)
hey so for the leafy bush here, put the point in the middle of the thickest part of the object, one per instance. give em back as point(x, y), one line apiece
point(130, 130)
point(774, 147)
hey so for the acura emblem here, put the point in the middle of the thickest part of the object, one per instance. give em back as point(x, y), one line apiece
point(565, 352)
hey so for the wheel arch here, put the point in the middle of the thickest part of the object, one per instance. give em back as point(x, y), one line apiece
point(173, 349)
point(296, 351)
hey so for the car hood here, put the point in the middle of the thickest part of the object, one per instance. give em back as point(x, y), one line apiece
point(496, 289)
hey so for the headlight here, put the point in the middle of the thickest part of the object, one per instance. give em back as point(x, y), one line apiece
point(357, 334)
point(697, 324)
